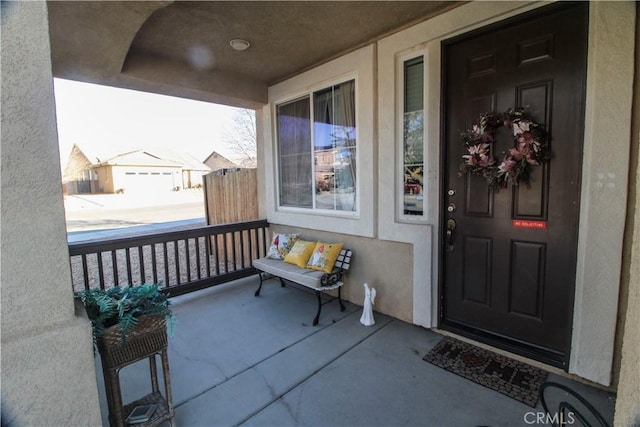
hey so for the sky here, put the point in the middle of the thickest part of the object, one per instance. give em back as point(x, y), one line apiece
point(106, 121)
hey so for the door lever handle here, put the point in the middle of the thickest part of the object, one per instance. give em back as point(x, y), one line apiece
point(450, 233)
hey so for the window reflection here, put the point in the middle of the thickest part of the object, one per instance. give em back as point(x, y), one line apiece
point(318, 169)
point(413, 137)
point(334, 132)
point(294, 147)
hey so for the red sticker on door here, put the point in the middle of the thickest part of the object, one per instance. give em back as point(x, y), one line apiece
point(520, 223)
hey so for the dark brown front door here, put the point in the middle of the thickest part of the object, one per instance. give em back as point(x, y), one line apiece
point(501, 283)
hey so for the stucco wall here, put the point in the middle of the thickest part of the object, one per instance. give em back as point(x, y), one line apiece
point(628, 401)
point(603, 202)
point(48, 371)
point(386, 266)
point(628, 398)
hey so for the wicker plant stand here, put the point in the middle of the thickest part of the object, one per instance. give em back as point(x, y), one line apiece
point(148, 339)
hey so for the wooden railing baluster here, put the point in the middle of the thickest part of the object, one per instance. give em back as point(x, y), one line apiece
point(197, 243)
point(216, 254)
point(165, 259)
point(249, 241)
point(100, 271)
point(129, 273)
point(234, 256)
point(240, 254)
point(88, 259)
point(154, 266)
point(225, 253)
point(264, 243)
point(187, 252)
point(143, 276)
point(114, 266)
point(85, 271)
point(176, 261)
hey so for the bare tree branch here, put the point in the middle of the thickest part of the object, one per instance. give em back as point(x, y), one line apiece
point(241, 138)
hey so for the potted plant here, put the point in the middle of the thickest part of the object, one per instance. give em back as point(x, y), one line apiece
point(126, 317)
point(130, 324)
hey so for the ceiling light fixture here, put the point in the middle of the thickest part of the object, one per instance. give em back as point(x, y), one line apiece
point(239, 44)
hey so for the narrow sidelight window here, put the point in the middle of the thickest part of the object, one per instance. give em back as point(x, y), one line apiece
point(413, 137)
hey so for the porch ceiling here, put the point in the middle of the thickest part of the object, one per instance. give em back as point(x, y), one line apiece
point(182, 48)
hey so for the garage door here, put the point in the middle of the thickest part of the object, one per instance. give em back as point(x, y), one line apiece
point(145, 182)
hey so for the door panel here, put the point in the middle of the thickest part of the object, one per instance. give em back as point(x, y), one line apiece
point(531, 203)
point(502, 283)
point(477, 270)
point(527, 279)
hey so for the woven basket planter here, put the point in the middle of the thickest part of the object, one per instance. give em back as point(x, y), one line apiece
point(149, 335)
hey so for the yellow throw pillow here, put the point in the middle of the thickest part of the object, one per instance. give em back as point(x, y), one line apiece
point(299, 253)
point(324, 256)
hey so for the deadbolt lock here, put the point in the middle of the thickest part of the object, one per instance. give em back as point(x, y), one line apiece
point(451, 208)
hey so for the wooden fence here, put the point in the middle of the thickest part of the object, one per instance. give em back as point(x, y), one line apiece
point(231, 196)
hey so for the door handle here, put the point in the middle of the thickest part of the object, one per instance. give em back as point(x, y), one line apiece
point(450, 233)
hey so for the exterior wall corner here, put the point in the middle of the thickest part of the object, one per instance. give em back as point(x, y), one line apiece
point(40, 330)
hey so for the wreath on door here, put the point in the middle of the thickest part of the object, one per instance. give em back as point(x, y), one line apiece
point(530, 149)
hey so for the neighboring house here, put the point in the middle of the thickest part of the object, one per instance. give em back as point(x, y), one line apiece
point(192, 169)
point(248, 163)
point(434, 265)
point(77, 177)
point(138, 172)
point(217, 161)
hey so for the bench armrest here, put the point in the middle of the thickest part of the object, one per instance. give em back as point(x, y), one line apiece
point(330, 279)
point(343, 262)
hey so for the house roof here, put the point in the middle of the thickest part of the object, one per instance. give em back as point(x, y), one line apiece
point(139, 158)
point(157, 157)
point(217, 161)
point(91, 153)
point(182, 48)
point(77, 162)
point(185, 159)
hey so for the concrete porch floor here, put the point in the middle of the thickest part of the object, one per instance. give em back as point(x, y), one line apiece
point(240, 360)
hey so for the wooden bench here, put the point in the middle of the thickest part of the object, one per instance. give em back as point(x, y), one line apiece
point(318, 281)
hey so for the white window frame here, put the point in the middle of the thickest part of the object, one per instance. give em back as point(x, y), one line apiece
point(309, 94)
point(401, 217)
point(358, 65)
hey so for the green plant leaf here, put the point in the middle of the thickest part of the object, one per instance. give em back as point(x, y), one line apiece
point(124, 305)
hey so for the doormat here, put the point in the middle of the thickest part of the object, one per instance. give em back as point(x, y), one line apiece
point(515, 379)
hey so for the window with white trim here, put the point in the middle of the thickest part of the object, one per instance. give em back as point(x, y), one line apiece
point(316, 142)
point(413, 138)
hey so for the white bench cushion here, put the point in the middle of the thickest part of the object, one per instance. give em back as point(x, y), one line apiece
point(304, 276)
